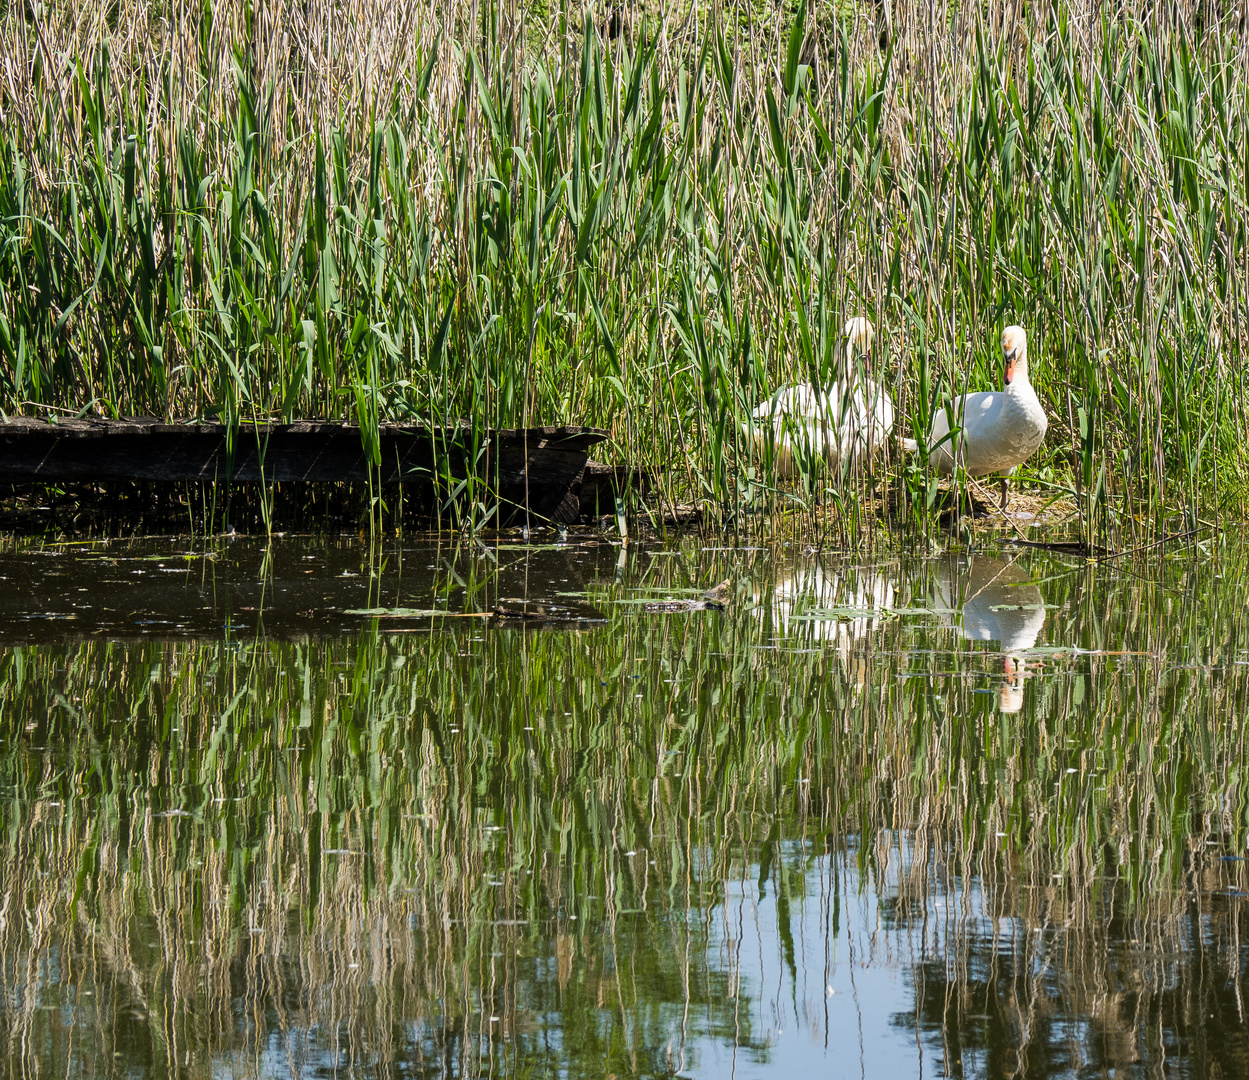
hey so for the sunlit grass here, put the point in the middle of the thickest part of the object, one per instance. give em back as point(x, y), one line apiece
point(403, 215)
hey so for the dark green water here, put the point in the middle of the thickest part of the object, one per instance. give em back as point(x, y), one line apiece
point(950, 816)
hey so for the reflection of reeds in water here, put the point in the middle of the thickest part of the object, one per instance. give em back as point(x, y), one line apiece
point(840, 605)
point(468, 850)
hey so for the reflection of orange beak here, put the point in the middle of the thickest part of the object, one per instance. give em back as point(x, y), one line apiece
point(1010, 367)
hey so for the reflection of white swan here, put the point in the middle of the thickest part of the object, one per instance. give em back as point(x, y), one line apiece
point(1010, 691)
point(998, 603)
point(827, 605)
point(850, 419)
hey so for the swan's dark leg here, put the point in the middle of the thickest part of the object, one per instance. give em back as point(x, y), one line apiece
point(1005, 487)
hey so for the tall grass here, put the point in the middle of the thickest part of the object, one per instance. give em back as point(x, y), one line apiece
point(536, 213)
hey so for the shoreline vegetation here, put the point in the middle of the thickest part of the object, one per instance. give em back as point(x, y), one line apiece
point(646, 218)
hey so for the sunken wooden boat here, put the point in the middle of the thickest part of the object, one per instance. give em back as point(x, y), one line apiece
point(530, 474)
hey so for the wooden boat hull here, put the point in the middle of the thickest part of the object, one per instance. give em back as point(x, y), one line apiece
point(528, 472)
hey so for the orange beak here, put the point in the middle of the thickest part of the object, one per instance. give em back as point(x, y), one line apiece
point(1010, 367)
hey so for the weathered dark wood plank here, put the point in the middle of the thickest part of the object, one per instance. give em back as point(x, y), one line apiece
point(533, 468)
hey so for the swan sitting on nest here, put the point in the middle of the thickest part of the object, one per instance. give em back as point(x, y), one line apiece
point(848, 421)
point(1000, 429)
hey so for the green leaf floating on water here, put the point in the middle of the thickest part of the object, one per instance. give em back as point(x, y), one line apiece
point(398, 612)
point(820, 614)
point(677, 592)
point(871, 613)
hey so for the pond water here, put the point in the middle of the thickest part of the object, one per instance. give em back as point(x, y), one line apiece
point(309, 809)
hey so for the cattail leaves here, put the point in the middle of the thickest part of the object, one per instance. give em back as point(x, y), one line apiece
point(575, 226)
point(794, 69)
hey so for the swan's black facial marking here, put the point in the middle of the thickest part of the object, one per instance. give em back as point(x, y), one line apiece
point(1010, 363)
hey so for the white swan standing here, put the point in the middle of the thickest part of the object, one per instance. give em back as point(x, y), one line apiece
point(1000, 429)
point(848, 421)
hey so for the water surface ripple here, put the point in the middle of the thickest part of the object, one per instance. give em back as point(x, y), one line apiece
point(497, 809)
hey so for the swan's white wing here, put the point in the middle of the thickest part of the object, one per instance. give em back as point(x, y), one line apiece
point(800, 401)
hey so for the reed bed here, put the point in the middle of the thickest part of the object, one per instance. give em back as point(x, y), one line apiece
point(641, 216)
point(438, 851)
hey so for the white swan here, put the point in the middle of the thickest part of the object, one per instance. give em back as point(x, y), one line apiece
point(848, 421)
point(1000, 429)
